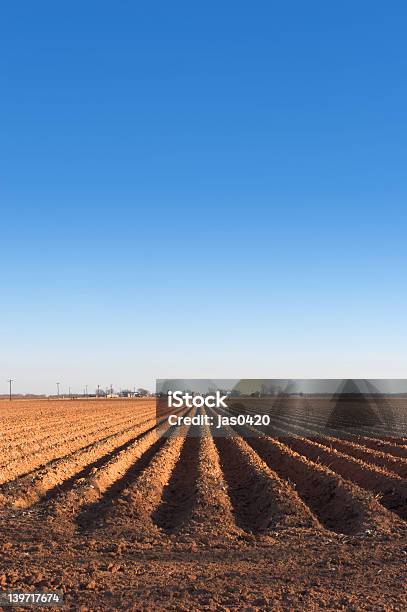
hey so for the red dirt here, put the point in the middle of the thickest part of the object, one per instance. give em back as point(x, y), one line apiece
point(119, 517)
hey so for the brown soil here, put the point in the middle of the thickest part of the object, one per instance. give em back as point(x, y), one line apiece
point(120, 517)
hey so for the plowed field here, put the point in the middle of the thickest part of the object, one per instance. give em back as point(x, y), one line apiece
point(107, 503)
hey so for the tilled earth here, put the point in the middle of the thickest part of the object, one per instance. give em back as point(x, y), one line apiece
point(96, 502)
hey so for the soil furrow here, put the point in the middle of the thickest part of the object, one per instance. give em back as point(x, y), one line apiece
point(340, 505)
point(211, 517)
point(68, 417)
point(33, 443)
point(131, 505)
point(262, 502)
point(368, 455)
point(39, 457)
point(27, 490)
point(179, 494)
point(294, 424)
point(85, 495)
point(392, 488)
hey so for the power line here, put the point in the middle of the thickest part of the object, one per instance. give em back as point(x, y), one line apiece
point(10, 381)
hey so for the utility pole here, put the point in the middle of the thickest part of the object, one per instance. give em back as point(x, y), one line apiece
point(58, 388)
point(10, 381)
point(86, 389)
point(111, 389)
point(97, 392)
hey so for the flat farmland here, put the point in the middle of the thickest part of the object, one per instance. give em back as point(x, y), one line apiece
point(102, 500)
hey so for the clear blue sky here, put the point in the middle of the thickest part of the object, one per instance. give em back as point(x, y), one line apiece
point(207, 190)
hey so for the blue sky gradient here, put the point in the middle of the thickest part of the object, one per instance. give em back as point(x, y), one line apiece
point(209, 190)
